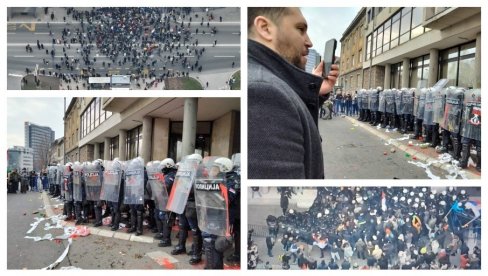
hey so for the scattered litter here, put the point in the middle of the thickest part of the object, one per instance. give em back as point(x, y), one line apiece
point(36, 239)
point(385, 153)
point(34, 224)
point(35, 212)
point(414, 158)
point(426, 166)
point(80, 231)
point(107, 221)
point(355, 125)
point(410, 143)
point(138, 256)
point(122, 253)
point(390, 141)
point(424, 145)
point(61, 258)
point(407, 155)
point(122, 225)
point(453, 169)
point(69, 268)
point(392, 150)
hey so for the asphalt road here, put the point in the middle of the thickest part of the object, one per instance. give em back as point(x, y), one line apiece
point(221, 56)
point(90, 252)
point(351, 152)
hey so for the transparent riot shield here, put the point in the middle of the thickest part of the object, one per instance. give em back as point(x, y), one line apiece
point(407, 101)
point(420, 104)
point(211, 198)
point(59, 175)
point(429, 107)
point(67, 184)
point(382, 102)
point(184, 179)
point(77, 182)
point(399, 101)
point(93, 181)
point(158, 185)
point(472, 115)
point(112, 177)
point(439, 105)
point(373, 100)
point(390, 101)
point(453, 110)
point(134, 182)
point(365, 99)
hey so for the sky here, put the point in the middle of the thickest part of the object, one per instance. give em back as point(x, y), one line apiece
point(328, 23)
point(41, 111)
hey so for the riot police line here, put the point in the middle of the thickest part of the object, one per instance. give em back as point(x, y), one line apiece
point(202, 194)
point(448, 118)
point(379, 227)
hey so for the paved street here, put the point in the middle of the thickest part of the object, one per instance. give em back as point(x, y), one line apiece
point(356, 150)
point(207, 55)
point(102, 249)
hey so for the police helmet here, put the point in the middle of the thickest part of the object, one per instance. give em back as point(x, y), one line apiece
point(168, 163)
point(224, 164)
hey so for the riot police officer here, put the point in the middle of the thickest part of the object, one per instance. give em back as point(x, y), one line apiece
point(471, 127)
point(68, 191)
point(79, 194)
point(135, 181)
point(187, 220)
point(451, 121)
point(407, 109)
point(398, 108)
point(163, 218)
point(233, 183)
point(215, 236)
point(419, 109)
point(373, 106)
point(113, 189)
point(93, 176)
point(389, 108)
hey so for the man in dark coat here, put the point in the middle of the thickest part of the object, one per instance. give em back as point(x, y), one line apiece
point(284, 140)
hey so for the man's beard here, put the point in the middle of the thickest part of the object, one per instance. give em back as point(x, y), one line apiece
point(287, 51)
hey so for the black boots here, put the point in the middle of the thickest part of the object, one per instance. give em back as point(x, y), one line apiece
point(196, 256)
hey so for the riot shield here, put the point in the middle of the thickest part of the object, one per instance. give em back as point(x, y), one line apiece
point(407, 101)
point(381, 101)
point(373, 100)
point(134, 182)
point(112, 177)
point(420, 105)
point(211, 199)
point(93, 181)
point(399, 101)
point(59, 175)
point(472, 115)
point(184, 179)
point(158, 185)
point(236, 160)
point(429, 107)
point(365, 99)
point(68, 187)
point(453, 110)
point(439, 105)
point(77, 182)
point(360, 98)
point(389, 101)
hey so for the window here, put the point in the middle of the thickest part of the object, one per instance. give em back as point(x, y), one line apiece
point(114, 147)
point(92, 117)
point(458, 65)
point(134, 142)
point(395, 30)
point(202, 142)
point(405, 25)
point(368, 48)
point(419, 71)
point(417, 28)
point(396, 75)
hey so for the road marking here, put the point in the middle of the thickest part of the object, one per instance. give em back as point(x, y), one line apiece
point(23, 56)
point(127, 68)
point(225, 56)
point(31, 28)
point(236, 33)
point(41, 33)
point(15, 75)
point(11, 33)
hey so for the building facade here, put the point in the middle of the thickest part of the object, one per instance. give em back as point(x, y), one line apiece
point(351, 65)
point(39, 139)
point(20, 157)
point(71, 130)
point(155, 128)
point(313, 59)
point(57, 151)
point(417, 46)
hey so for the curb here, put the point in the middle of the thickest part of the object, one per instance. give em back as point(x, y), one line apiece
point(413, 152)
point(97, 231)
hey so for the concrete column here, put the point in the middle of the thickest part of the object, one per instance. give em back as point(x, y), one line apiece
point(189, 126)
point(106, 149)
point(433, 67)
point(477, 62)
point(387, 83)
point(96, 151)
point(405, 73)
point(160, 139)
point(122, 144)
point(146, 138)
